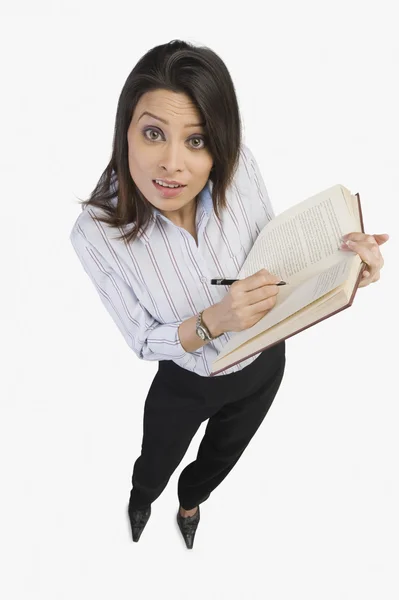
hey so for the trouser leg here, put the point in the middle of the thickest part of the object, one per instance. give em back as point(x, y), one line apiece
point(170, 422)
point(227, 434)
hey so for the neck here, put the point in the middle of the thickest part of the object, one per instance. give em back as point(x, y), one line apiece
point(185, 217)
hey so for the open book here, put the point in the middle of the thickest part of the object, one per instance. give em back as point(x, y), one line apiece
point(302, 246)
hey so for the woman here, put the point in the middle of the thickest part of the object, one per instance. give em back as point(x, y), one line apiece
point(151, 250)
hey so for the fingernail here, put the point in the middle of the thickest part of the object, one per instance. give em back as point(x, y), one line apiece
point(349, 243)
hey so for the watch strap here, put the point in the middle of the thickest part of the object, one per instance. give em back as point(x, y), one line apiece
point(200, 323)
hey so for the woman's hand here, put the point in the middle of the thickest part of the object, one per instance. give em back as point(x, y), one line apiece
point(247, 301)
point(367, 247)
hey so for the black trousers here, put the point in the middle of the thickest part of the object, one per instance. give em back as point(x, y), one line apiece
point(178, 401)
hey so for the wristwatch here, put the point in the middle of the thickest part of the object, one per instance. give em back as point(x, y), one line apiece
point(202, 331)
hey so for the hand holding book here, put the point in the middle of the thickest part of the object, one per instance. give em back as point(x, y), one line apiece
point(367, 247)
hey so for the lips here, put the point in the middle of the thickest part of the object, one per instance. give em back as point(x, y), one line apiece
point(167, 192)
point(170, 182)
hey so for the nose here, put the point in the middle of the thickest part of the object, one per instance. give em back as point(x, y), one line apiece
point(172, 160)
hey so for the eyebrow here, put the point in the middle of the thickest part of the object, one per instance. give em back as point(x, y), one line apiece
point(167, 122)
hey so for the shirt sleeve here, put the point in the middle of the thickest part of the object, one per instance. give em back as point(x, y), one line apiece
point(148, 338)
point(262, 207)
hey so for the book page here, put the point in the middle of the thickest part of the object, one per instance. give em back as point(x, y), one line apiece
point(293, 244)
point(351, 202)
point(291, 299)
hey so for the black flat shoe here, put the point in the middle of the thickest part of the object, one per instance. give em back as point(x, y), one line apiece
point(188, 527)
point(138, 520)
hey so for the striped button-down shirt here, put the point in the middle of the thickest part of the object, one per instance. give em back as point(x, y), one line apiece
point(163, 278)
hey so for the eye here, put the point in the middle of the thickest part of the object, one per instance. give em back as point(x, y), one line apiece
point(199, 138)
point(152, 130)
point(154, 139)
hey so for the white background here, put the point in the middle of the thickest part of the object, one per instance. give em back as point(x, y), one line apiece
point(310, 510)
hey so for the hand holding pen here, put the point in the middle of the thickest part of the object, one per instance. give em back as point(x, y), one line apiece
point(247, 301)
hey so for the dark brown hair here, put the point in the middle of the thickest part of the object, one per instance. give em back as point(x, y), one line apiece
point(179, 67)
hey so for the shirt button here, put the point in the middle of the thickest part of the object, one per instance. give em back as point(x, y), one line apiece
point(203, 279)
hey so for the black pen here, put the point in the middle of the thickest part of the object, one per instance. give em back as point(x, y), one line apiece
point(230, 281)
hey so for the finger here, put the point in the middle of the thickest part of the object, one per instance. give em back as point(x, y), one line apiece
point(381, 238)
point(357, 236)
point(364, 283)
point(366, 255)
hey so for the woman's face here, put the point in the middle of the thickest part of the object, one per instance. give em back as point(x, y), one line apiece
point(172, 149)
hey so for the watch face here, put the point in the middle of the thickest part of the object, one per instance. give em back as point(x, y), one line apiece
point(201, 333)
